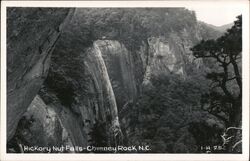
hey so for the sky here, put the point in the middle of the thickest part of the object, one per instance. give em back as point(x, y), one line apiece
point(217, 14)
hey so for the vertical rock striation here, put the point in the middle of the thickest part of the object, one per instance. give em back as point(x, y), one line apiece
point(121, 69)
point(104, 102)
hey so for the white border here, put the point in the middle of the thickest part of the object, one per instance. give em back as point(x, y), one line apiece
point(142, 157)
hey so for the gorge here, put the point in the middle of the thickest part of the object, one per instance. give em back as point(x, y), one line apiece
point(108, 77)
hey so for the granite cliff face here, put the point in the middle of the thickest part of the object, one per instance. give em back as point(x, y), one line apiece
point(31, 38)
point(120, 66)
point(84, 91)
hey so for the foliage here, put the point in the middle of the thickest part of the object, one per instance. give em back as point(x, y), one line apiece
point(172, 105)
point(226, 88)
point(129, 25)
point(98, 135)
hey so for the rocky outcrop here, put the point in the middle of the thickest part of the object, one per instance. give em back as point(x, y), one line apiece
point(170, 55)
point(31, 38)
point(39, 126)
point(162, 59)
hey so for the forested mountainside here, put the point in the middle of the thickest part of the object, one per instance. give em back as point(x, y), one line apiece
point(222, 28)
point(108, 77)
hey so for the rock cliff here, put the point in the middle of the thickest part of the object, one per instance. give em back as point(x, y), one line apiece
point(121, 70)
point(31, 38)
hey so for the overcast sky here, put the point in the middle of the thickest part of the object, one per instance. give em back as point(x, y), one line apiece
point(217, 14)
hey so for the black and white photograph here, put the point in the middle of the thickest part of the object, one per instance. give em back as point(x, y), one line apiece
point(125, 79)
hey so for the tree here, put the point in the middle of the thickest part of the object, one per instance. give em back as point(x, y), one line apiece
point(226, 87)
point(99, 136)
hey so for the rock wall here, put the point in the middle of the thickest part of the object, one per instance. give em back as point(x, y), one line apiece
point(31, 37)
point(121, 69)
point(170, 55)
point(101, 101)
